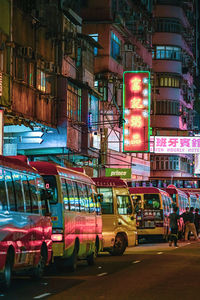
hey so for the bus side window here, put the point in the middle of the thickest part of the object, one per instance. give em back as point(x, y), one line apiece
point(90, 197)
point(34, 196)
point(70, 195)
point(10, 188)
point(3, 196)
point(124, 205)
point(18, 191)
point(76, 196)
point(26, 193)
point(86, 198)
point(81, 196)
point(65, 194)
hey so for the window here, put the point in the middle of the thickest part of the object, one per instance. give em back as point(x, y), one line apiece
point(65, 194)
point(81, 196)
point(166, 163)
point(73, 102)
point(51, 185)
point(43, 82)
point(107, 203)
point(167, 81)
point(124, 206)
point(34, 195)
point(21, 69)
point(115, 47)
point(76, 196)
point(3, 196)
point(26, 194)
point(70, 195)
point(31, 75)
point(18, 191)
point(151, 201)
point(167, 25)
point(90, 197)
point(95, 36)
point(167, 52)
point(10, 188)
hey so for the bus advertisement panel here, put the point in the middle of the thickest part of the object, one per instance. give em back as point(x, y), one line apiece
point(152, 206)
point(119, 222)
point(25, 223)
point(76, 214)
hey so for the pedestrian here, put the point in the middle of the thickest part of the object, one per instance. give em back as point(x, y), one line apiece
point(185, 217)
point(197, 220)
point(173, 222)
point(190, 225)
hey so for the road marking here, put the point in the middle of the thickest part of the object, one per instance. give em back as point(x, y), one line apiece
point(136, 261)
point(102, 274)
point(159, 252)
point(41, 296)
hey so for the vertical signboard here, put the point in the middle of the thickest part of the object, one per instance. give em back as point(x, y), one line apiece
point(1, 132)
point(136, 111)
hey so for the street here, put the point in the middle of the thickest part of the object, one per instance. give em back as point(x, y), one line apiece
point(145, 272)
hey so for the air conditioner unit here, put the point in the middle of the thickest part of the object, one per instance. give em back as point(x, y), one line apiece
point(128, 47)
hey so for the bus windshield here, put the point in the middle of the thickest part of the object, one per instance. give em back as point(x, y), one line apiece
point(151, 201)
point(50, 184)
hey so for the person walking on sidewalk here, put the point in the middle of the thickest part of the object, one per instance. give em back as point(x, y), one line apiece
point(173, 222)
point(197, 220)
point(190, 225)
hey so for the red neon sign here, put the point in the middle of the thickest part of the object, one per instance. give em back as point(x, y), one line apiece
point(136, 114)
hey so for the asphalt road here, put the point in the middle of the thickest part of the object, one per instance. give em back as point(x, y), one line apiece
point(145, 272)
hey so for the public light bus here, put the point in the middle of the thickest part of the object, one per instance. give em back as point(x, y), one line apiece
point(152, 206)
point(25, 224)
point(119, 223)
point(76, 214)
point(192, 198)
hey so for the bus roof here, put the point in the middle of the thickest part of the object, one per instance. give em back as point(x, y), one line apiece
point(174, 190)
point(146, 190)
point(48, 168)
point(15, 163)
point(109, 182)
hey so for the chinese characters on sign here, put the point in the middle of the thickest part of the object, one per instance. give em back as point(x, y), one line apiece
point(136, 106)
point(177, 144)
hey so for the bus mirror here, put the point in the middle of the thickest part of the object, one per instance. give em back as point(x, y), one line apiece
point(100, 197)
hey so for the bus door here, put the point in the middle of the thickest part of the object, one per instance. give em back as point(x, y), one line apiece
point(57, 211)
point(125, 211)
point(137, 202)
point(18, 226)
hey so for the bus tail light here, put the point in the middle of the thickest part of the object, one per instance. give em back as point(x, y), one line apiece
point(57, 235)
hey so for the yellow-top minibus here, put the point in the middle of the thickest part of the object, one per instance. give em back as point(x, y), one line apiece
point(119, 222)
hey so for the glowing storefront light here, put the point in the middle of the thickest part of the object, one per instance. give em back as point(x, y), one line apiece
point(176, 144)
point(136, 100)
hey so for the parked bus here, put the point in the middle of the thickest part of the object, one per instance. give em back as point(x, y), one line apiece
point(179, 197)
point(76, 214)
point(119, 223)
point(193, 199)
point(152, 206)
point(25, 224)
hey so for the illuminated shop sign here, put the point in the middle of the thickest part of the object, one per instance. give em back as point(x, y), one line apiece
point(177, 144)
point(136, 111)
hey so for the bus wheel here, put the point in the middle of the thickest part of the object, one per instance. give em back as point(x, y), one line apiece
point(92, 257)
point(6, 274)
point(73, 260)
point(119, 246)
point(38, 271)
